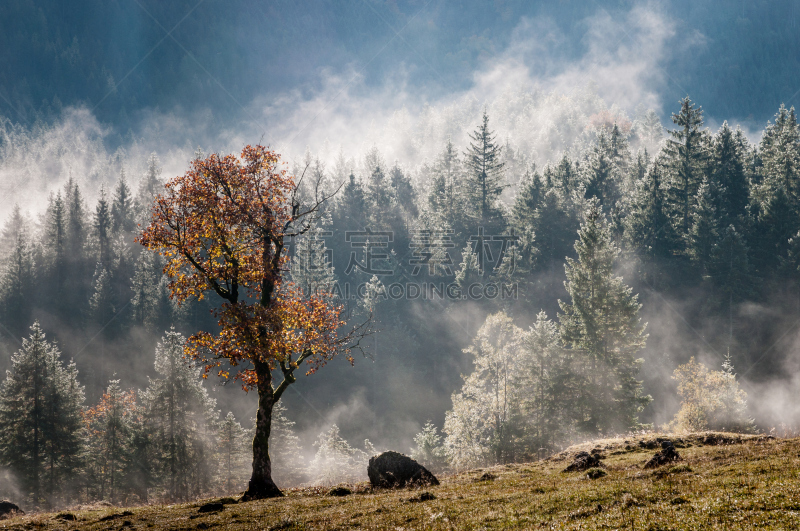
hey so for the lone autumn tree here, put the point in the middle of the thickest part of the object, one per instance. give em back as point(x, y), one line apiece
point(223, 228)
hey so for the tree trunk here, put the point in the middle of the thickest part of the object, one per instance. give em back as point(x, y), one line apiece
point(261, 484)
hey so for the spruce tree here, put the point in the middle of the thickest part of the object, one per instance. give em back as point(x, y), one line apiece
point(41, 437)
point(102, 227)
point(602, 324)
point(704, 232)
point(601, 174)
point(687, 161)
point(183, 417)
point(546, 424)
point(484, 180)
point(729, 177)
point(16, 273)
point(649, 233)
point(122, 209)
point(485, 426)
point(233, 452)
point(289, 468)
point(780, 154)
point(109, 434)
point(150, 186)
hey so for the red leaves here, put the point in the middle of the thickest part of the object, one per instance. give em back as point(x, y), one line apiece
point(221, 228)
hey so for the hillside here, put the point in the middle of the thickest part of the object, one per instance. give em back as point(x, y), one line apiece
point(723, 481)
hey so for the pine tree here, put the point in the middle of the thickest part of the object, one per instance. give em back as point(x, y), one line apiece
point(546, 423)
point(311, 266)
point(484, 176)
point(404, 191)
point(777, 222)
point(55, 249)
point(649, 233)
point(335, 460)
point(150, 186)
point(183, 416)
point(484, 425)
point(77, 272)
point(40, 420)
point(729, 270)
point(780, 153)
point(601, 323)
point(143, 286)
point(601, 173)
point(102, 304)
point(16, 273)
point(729, 177)
point(289, 468)
point(122, 210)
point(233, 451)
point(429, 450)
point(102, 230)
point(529, 197)
point(687, 160)
point(704, 233)
point(108, 426)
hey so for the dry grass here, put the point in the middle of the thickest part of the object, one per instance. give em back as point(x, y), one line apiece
point(742, 483)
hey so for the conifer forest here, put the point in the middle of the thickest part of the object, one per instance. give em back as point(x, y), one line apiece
point(503, 236)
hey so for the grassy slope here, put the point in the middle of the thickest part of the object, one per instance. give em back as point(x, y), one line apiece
point(723, 482)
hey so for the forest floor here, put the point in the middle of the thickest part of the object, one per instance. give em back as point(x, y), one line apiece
point(723, 481)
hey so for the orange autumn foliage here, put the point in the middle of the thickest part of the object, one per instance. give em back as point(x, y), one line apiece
point(222, 227)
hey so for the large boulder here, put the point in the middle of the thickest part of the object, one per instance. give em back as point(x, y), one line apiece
point(9, 510)
point(391, 469)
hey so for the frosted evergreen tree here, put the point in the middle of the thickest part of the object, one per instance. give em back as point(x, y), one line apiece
point(602, 324)
point(484, 426)
point(41, 428)
point(102, 224)
point(601, 175)
point(649, 234)
point(542, 373)
point(143, 286)
point(704, 233)
point(780, 153)
point(429, 449)
point(183, 418)
point(150, 186)
point(335, 460)
point(122, 207)
point(102, 304)
point(312, 270)
point(285, 449)
point(729, 177)
point(17, 273)
point(687, 160)
point(233, 452)
point(469, 271)
point(484, 179)
point(108, 441)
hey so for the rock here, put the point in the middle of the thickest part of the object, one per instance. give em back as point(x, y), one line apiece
point(487, 476)
point(66, 516)
point(9, 510)
point(210, 508)
point(340, 491)
point(391, 469)
point(425, 496)
point(583, 461)
point(668, 454)
point(595, 473)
